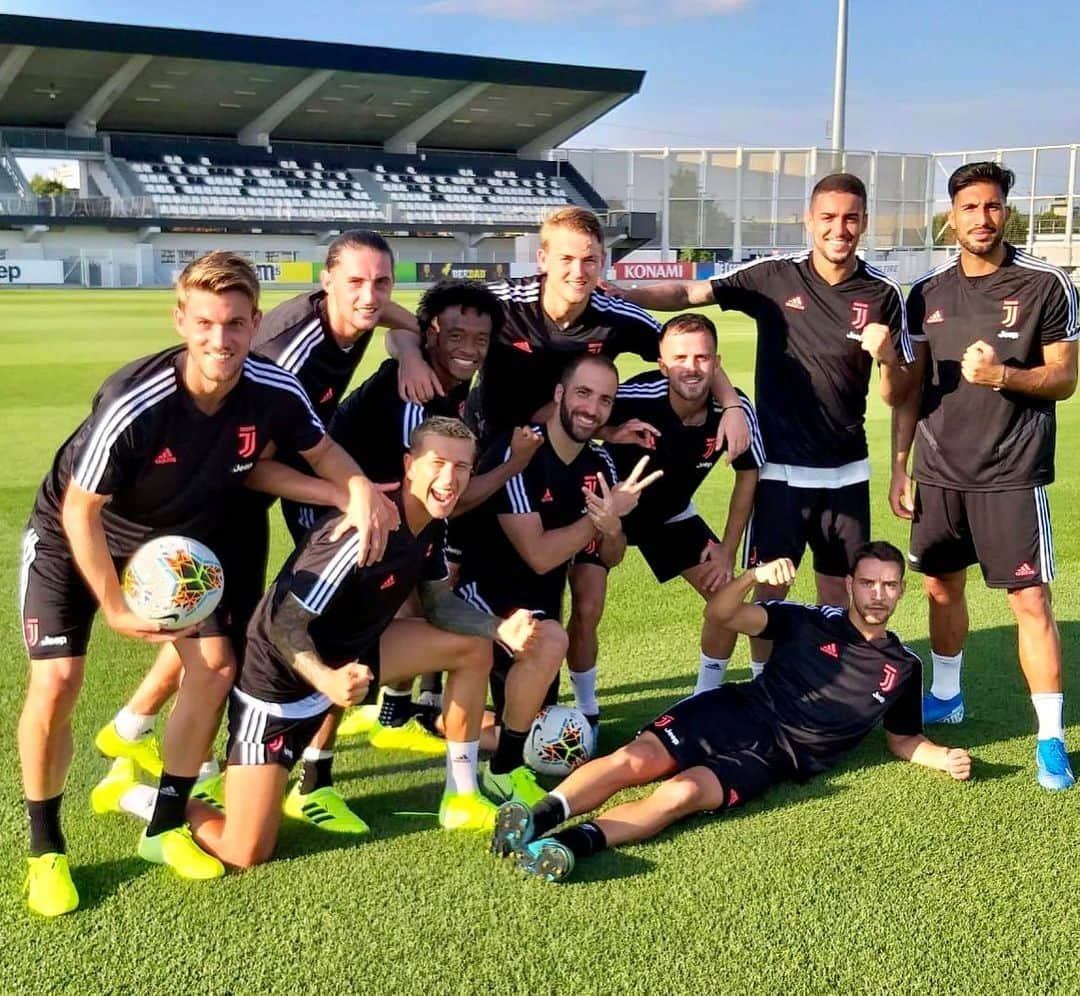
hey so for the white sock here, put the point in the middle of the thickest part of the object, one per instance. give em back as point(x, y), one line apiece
point(584, 683)
point(208, 769)
point(711, 673)
point(561, 799)
point(139, 801)
point(315, 754)
point(946, 681)
point(1048, 708)
point(756, 667)
point(461, 758)
point(132, 726)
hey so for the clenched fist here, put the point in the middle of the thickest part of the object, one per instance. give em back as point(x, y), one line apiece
point(877, 341)
point(347, 685)
point(775, 572)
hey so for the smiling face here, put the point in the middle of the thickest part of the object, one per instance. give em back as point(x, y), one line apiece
point(358, 287)
point(572, 262)
point(457, 343)
point(875, 588)
point(836, 221)
point(218, 329)
point(437, 471)
point(585, 401)
point(688, 360)
point(978, 217)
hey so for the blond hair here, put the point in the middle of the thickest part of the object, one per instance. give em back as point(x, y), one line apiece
point(439, 425)
point(219, 272)
point(576, 219)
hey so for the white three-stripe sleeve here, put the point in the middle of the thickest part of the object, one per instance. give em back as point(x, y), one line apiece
point(755, 452)
point(515, 494)
point(315, 587)
point(298, 428)
point(411, 416)
point(98, 466)
point(894, 315)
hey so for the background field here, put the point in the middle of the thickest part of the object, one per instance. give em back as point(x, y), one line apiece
point(879, 877)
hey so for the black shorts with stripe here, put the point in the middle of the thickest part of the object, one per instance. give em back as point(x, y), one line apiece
point(503, 659)
point(272, 732)
point(669, 548)
point(58, 608)
point(1007, 533)
point(724, 730)
point(833, 522)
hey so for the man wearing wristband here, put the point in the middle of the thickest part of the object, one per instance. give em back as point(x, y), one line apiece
point(833, 675)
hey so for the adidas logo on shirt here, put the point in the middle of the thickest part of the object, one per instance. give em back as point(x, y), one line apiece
point(830, 650)
point(388, 583)
point(795, 303)
point(935, 319)
point(547, 496)
point(165, 456)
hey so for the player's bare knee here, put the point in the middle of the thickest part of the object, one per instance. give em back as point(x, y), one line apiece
point(586, 610)
point(1033, 602)
point(55, 686)
point(552, 642)
point(946, 590)
point(643, 759)
point(688, 792)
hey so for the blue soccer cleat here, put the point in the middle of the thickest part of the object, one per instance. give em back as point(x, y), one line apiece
point(935, 710)
point(546, 859)
point(1052, 767)
point(513, 828)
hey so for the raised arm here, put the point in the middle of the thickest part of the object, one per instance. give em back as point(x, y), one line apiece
point(417, 382)
point(728, 607)
point(668, 295)
point(523, 444)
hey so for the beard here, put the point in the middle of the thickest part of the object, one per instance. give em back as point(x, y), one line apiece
point(566, 420)
point(691, 395)
point(982, 248)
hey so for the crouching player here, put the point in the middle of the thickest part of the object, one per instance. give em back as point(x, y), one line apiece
point(326, 630)
point(832, 675)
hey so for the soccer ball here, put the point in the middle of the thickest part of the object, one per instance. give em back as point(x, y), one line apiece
point(173, 580)
point(560, 740)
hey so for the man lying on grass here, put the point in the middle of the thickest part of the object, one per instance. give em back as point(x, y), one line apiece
point(832, 675)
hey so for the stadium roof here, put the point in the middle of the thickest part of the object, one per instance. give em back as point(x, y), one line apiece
point(83, 76)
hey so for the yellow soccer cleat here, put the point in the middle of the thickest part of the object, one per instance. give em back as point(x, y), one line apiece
point(325, 808)
point(356, 722)
point(211, 791)
point(144, 751)
point(48, 887)
point(177, 849)
point(411, 735)
point(106, 795)
point(466, 811)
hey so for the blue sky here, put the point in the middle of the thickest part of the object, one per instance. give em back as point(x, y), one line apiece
point(922, 75)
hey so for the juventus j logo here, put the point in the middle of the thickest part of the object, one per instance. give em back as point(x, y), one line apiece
point(1010, 312)
point(890, 675)
point(245, 436)
point(860, 312)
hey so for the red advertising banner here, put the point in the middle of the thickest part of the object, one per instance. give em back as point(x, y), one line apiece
point(654, 271)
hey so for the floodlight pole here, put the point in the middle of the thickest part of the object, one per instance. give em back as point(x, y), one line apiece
point(840, 78)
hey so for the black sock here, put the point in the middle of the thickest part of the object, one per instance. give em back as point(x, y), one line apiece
point(510, 752)
point(45, 834)
point(397, 708)
point(172, 797)
point(431, 682)
point(584, 840)
point(547, 814)
point(317, 774)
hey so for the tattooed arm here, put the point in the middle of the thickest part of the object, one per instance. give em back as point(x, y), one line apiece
point(344, 686)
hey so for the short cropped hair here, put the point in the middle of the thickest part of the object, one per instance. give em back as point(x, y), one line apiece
point(840, 183)
point(981, 172)
point(462, 294)
point(576, 219)
point(357, 238)
point(878, 550)
point(689, 321)
point(219, 272)
point(581, 359)
point(439, 425)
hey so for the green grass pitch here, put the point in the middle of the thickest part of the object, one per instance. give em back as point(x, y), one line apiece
point(878, 877)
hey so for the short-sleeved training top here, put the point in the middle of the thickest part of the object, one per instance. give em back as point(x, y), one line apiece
point(168, 466)
point(827, 687)
point(685, 453)
point(527, 356)
point(353, 605)
point(547, 486)
point(811, 374)
point(971, 437)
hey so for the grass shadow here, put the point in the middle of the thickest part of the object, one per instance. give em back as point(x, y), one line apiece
point(97, 882)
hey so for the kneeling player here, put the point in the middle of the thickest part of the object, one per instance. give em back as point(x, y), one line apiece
point(832, 675)
point(326, 630)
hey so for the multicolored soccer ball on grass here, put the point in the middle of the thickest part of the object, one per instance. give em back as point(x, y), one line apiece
point(559, 740)
point(173, 580)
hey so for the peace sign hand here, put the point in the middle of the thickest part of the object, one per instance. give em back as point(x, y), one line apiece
point(624, 496)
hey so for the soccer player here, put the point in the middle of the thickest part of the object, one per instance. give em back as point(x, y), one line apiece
point(169, 441)
point(995, 332)
point(326, 630)
point(522, 540)
point(457, 319)
point(671, 415)
point(834, 673)
point(823, 318)
point(548, 319)
point(320, 337)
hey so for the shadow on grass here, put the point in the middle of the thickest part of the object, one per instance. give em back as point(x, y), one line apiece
point(97, 882)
